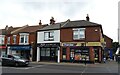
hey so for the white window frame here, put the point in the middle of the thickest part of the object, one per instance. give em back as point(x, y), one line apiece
point(14, 39)
point(8, 40)
point(80, 31)
point(2, 39)
point(24, 35)
point(49, 36)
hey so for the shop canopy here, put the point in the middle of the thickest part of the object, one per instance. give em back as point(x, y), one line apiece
point(20, 48)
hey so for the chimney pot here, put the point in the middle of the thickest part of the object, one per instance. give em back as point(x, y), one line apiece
point(52, 21)
point(87, 18)
point(40, 23)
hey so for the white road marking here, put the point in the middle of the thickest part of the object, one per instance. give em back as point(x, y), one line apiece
point(23, 68)
point(84, 69)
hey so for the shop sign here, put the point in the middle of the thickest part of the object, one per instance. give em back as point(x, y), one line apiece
point(20, 48)
point(49, 44)
point(2, 47)
point(69, 44)
point(93, 44)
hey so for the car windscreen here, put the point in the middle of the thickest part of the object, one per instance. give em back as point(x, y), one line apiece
point(18, 57)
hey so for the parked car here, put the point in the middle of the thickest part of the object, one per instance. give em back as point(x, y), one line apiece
point(14, 60)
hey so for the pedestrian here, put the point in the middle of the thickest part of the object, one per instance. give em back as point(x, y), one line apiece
point(104, 59)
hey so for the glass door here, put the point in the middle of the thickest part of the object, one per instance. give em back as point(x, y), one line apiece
point(53, 54)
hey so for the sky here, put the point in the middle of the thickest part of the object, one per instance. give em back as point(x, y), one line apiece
point(18, 13)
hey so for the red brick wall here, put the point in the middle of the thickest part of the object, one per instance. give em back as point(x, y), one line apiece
point(108, 42)
point(90, 34)
point(91, 53)
point(68, 53)
point(32, 38)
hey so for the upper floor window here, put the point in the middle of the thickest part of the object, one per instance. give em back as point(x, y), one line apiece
point(14, 39)
point(2, 39)
point(8, 40)
point(49, 36)
point(78, 33)
point(24, 37)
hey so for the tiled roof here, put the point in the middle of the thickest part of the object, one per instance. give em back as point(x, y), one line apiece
point(68, 23)
point(79, 23)
point(54, 26)
point(28, 29)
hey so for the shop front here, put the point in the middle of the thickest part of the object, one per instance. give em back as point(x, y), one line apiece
point(48, 52)
point(76, 52)
point(23, 50)
point(2, 50)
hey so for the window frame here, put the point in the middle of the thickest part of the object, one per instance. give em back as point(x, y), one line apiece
point(24, 36)
point(14, 39)
point(78, 32)
point(49, 36)
point(3, 39)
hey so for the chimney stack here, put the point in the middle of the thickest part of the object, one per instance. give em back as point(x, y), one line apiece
point(87, 18)
point(6, 28)
point(52, 21)
point(40, 23)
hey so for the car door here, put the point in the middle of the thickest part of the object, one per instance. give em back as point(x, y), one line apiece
point(4, 60)
point(10, 60)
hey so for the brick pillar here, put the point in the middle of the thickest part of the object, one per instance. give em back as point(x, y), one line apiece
point(100, 55)
point(61, 53)
point(91, 54)
point(68, 53)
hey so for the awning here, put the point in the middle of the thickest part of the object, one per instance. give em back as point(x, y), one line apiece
point(2, 47)
point(20, 48)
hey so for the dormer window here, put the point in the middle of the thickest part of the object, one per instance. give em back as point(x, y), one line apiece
point(24, 37)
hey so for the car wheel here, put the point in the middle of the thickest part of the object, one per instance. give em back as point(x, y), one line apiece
point(16, 64)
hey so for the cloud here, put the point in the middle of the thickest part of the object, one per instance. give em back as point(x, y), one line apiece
point(21, 12)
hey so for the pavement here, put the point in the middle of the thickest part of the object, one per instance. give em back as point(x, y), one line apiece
point(76, 64)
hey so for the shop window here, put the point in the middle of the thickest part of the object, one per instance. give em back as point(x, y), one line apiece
point(79, 54)
point(78, 33)
point(47, 51)
point(49, 36)
point(64, 53)
point(96, 54)
point(42, 51)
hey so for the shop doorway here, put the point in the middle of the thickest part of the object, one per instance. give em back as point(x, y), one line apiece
point(96, 54)
point(48, 54)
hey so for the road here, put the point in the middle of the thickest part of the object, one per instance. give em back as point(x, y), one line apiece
point(110, 68)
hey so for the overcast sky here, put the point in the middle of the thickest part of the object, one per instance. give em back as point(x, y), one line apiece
point(21, 12)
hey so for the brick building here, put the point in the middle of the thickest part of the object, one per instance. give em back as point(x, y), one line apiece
point(108, 48)
point(77, 40)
